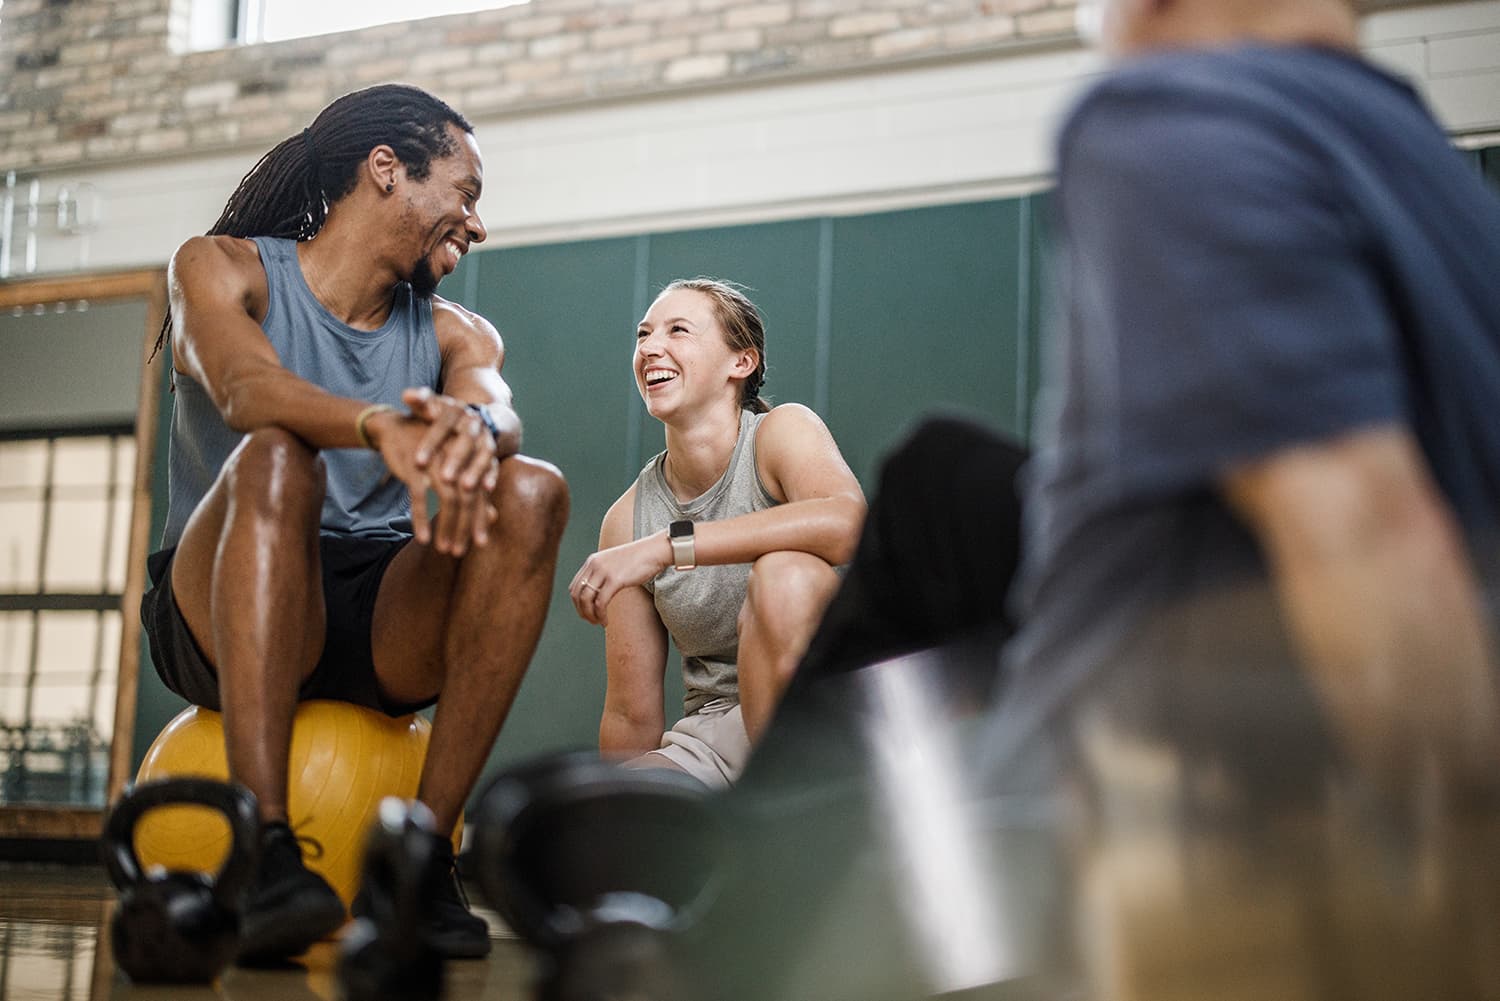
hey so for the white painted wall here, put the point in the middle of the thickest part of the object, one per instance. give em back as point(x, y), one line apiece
point(1452, 52)
point(915, 136)
point(901, 137)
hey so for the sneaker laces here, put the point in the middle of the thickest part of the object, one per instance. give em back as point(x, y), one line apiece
point(463, 895)
point(450, 870)
point(310, 846)
point(295, 847)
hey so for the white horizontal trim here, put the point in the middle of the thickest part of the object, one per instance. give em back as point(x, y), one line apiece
point(869, 202)
point(1430, 21)
point(930, 132)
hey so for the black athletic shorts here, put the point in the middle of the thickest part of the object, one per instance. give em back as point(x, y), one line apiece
point(352, 570)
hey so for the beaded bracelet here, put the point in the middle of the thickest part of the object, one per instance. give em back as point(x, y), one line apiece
point(365, 415)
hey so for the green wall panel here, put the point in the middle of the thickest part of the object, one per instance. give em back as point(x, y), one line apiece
point(924, 316)
point(1038, 312)
point(155, 705)
point(566, 313)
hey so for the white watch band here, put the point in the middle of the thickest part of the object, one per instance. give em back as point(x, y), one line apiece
point(684, 554)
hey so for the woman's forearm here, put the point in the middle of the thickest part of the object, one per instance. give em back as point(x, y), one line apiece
point(826, 527)
point(627, 735)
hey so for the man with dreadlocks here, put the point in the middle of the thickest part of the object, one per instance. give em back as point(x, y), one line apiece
point(322, 392)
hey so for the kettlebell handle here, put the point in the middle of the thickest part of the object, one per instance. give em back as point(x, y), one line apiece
point(234, 801)
point(517, 799)
point(401, 847)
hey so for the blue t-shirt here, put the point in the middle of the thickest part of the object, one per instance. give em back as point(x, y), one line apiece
point(1261, 247)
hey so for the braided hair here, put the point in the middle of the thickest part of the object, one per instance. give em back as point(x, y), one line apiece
point(288, 191)
point(744, 329)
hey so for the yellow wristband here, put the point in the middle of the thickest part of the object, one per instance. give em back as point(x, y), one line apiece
point(365, 415)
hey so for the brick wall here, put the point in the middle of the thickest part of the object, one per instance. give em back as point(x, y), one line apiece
point(93, 82)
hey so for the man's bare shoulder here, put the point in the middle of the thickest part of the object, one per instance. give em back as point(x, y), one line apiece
point(213, 253)
point(219, 263)
point(461, 320)
point(459, 327)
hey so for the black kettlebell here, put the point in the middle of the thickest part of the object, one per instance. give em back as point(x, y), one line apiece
point(603, 868)
point(178, 927)
point(385, 954)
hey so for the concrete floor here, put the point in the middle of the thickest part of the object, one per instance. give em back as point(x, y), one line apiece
point(54, 946)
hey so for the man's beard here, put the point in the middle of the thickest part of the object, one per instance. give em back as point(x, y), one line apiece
point(424, 281)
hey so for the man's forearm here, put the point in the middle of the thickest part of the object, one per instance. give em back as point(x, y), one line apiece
point(1382, 602)
point(280, 399)
point(1397, 644)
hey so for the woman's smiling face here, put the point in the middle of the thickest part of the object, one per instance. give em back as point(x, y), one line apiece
point(682, 359)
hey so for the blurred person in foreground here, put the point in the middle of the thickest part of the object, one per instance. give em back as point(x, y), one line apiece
point(1267, 441)
point(1242, 728)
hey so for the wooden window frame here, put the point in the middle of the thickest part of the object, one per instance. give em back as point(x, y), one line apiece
point(41, 822)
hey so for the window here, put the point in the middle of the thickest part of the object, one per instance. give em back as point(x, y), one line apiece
point(215, 23)
point(64, 533)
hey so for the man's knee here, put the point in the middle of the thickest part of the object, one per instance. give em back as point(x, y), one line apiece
point(277, 472)
point(531, 492)
point(787, 590)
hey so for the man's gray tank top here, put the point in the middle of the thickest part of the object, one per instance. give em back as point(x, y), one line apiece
point(701, 607)
point(373, 365)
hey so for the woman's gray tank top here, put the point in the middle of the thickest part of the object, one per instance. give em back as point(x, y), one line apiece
point(373, 365)
point(701, 607)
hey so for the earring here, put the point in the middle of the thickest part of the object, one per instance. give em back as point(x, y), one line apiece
point(390, 186)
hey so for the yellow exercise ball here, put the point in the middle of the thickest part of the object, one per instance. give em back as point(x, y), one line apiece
point(344, 760)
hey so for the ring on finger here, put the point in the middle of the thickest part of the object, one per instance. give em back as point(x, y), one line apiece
point(588, 585)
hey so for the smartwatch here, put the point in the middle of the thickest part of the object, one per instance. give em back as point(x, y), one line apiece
point(485, 418)
point(680, 534)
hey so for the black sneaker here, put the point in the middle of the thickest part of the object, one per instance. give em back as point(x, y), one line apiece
point(453, 929)
point(287, 906)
